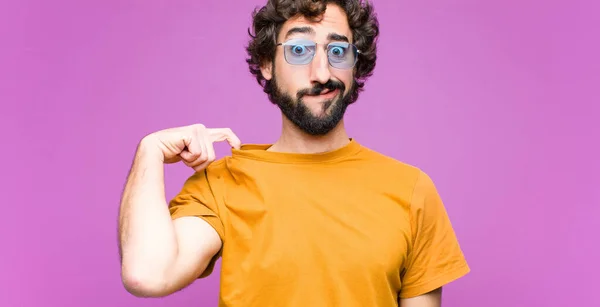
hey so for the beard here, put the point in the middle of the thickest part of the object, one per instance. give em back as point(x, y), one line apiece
point(299, 113)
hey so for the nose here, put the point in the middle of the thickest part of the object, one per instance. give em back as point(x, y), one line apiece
point(319, 70)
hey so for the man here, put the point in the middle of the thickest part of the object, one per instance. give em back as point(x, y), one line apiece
point(314, 219)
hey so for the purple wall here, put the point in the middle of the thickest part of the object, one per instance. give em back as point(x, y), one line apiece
point(496, 101)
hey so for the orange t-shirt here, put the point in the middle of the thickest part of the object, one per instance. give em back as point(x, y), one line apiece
point(349, 227)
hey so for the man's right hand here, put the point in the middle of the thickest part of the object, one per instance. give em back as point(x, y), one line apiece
point(160, 256)
point(191, 144)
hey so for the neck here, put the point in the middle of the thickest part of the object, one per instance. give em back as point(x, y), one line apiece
point(295, 140)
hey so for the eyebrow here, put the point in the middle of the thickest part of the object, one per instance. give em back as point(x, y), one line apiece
point(309, 30)
point(337, 37)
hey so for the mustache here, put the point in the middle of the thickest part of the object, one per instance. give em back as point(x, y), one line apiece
point(330, 85)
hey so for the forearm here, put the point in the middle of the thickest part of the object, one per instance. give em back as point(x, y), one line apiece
point(148, 244)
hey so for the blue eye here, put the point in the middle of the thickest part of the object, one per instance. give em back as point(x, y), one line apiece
point(298, 49)
point(337, 51)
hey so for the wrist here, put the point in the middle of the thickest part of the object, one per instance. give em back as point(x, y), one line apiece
point(148, 148)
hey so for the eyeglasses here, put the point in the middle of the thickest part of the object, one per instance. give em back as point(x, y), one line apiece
point(340, 55)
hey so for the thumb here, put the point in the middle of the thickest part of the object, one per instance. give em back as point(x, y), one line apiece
point(191, 149)
point(186, 156)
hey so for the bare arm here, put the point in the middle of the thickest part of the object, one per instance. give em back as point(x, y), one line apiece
point(158, 256)
point(430, 299)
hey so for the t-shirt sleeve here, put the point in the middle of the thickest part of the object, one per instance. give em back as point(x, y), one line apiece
point(196, 198)
point(435, 257)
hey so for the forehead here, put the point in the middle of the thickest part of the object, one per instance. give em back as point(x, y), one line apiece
point(333, 21)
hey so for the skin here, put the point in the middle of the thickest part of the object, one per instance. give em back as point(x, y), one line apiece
point(430, 299)
point(159, 256)
point(293, 78)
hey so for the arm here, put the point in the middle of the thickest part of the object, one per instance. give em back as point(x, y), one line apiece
point(159, 256)
point(435, 258)
point(430, 299)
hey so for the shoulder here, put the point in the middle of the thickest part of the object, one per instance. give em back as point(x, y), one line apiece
point(217, 167)
point(407, 181)
point(393, 168)
point(201, 180)
point(415, 182)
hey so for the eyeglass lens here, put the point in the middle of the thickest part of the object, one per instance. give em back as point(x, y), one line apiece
point(341, 55)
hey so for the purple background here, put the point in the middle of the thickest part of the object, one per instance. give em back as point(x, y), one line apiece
point(497, 101)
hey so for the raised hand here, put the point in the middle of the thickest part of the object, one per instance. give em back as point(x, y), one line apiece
point(191, 144)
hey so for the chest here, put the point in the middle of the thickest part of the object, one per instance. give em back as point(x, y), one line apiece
point(339, 225)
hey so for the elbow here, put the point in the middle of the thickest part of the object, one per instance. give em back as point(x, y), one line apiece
point(145, 284)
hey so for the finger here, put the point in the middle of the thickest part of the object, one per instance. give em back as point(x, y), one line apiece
point(222, 134)
point(208, 156)
point(202, 140)
point(197, 164)
point(210, 151)
point(206, 150)
point(187, 156)
point(202, 166)
point(183, 148)
point(193, 150)
point(194, 163)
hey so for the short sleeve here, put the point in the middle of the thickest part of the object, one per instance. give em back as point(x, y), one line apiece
point(196, 198)
point(435, 257)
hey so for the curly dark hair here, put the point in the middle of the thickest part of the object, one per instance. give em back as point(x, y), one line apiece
point(268, 20)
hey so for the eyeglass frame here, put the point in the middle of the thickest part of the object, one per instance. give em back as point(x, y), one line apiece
point(326, 47)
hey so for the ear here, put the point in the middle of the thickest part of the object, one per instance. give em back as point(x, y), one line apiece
point(267, 70)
